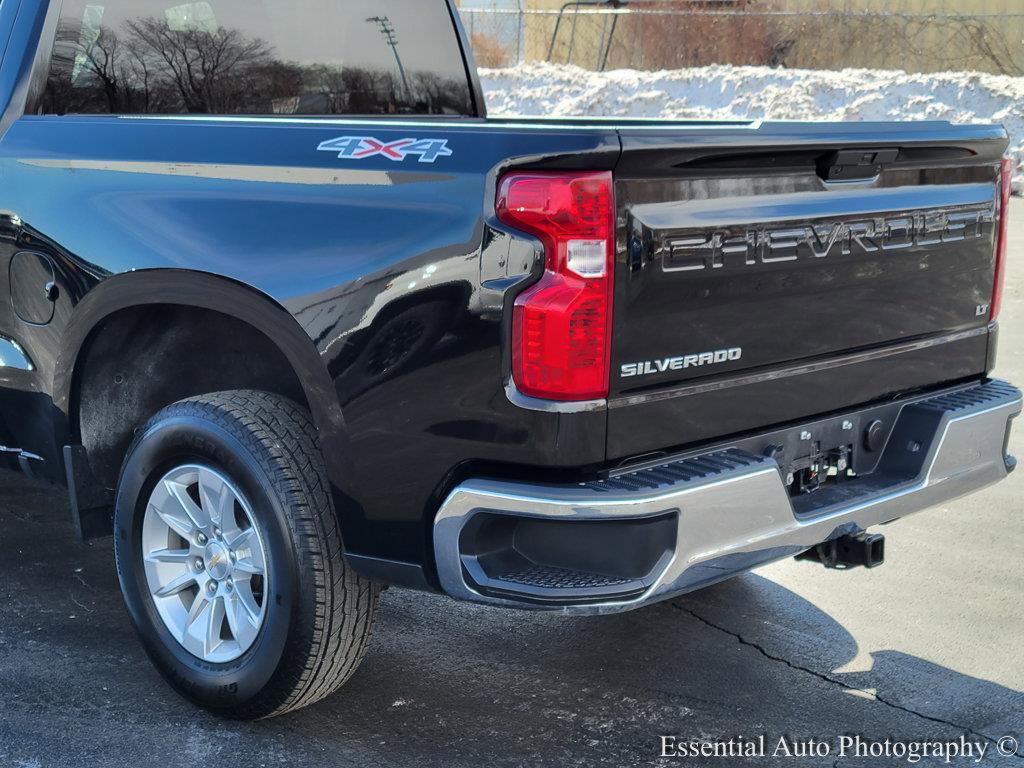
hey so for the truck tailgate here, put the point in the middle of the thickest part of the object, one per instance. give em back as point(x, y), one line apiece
point(787, 270)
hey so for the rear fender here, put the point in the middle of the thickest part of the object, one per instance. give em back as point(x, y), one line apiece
point(203, 291)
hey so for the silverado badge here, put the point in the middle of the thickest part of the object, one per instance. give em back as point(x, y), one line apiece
point(647, 367)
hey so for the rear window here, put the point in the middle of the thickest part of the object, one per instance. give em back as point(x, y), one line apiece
point(264, 57)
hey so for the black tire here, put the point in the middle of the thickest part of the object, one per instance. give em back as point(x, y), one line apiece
point(319, 613)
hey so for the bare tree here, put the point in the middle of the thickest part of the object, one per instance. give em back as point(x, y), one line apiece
point(209, 69)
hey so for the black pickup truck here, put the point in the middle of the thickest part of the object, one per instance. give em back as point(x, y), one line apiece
point(294, 320)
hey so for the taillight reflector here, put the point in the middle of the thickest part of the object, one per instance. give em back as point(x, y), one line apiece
point(561, 327)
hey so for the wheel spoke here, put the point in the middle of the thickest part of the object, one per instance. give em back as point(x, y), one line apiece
point(217, 499)
point(176, 585)
point(249, 567)
point(174, 519)
point(243, 540)
point(242, 624)
point(250, 609)
point(198, 606)
point(168, 556)
point(250, 559)
point(195, 513)
point(185, 516)
point(193, 631)
point(214, 622)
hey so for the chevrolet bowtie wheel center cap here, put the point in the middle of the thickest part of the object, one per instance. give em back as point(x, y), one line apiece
point(218, 560)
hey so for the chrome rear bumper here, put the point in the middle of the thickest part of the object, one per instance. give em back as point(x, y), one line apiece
point(693, 521)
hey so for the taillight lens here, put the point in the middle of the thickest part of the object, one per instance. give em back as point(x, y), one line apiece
point(1002, 235)
point(561, 327)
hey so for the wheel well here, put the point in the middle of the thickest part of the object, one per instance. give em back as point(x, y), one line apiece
point(141, 359)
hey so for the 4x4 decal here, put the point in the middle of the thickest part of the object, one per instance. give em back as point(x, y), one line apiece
point(362, 147)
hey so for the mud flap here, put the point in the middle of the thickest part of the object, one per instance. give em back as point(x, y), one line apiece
point(92, 504)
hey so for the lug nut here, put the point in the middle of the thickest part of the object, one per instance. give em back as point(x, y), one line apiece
point(199, 563)
point(216, 532)
point(230, 585)
point(211, 587)
point(201, 538)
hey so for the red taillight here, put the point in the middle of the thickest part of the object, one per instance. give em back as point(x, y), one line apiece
point(561, 327)
point(1002, 235)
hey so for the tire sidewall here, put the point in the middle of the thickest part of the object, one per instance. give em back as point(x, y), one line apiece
point(161, 446)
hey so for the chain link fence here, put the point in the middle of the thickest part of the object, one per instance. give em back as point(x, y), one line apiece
point(813, 34)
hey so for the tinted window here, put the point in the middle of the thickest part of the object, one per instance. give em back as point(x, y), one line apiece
point(281, 57)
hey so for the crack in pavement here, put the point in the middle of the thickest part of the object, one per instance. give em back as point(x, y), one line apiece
point(829, 679)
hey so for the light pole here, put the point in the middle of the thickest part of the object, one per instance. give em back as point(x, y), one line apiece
point(388, 31)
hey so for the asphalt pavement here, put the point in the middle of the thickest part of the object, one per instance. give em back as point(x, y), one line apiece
point(927, 648)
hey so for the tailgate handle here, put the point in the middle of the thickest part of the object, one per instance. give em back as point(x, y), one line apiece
point(855, 164)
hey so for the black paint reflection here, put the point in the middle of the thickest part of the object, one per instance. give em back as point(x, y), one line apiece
point(403, 336)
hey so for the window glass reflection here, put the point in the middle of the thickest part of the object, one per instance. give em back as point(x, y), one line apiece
point(312, 57)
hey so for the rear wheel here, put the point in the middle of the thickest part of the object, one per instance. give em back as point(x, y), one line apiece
point(230, 558)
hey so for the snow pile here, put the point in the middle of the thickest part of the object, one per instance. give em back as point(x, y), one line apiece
point(726, 92)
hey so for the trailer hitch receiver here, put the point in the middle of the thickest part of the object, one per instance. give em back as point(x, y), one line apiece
point(849, 551)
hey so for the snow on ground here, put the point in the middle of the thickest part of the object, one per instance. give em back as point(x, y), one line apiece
point(726, 92)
